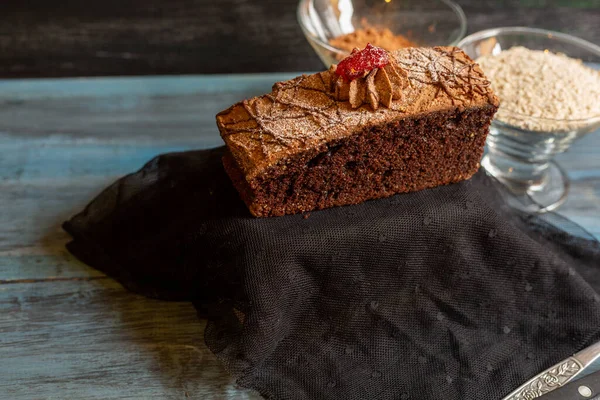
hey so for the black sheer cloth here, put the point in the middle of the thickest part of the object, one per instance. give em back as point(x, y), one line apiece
point(439, 294)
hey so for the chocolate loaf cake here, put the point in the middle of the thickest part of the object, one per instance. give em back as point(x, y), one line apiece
point(373, 126)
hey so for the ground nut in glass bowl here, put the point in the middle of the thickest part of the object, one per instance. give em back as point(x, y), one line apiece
point(422, 22)
point(531, 128)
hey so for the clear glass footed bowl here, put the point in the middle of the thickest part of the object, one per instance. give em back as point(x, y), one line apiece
point(424, 22)
point(521, 148)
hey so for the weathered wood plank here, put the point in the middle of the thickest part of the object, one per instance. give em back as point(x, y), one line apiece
point(582, 163)
point(169, 108)
point(35, 263)
point(94, 340)
point(140, 37)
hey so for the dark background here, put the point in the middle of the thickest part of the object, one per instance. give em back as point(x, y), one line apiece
point(138, 37)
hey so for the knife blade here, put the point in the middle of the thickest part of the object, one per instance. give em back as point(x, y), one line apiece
point(557, 376)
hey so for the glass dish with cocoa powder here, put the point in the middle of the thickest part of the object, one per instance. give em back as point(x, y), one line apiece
point(335, 27)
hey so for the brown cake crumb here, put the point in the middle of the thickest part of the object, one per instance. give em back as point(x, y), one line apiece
point(383, 38)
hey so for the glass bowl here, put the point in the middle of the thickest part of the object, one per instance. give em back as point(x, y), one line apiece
point(521, 148)
point(424, 22)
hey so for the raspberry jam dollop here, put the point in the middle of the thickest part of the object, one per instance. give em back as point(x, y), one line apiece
point(361, 61)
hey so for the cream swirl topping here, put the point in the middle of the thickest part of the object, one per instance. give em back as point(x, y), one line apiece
point(375, 87)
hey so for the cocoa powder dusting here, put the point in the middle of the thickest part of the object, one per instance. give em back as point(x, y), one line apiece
point(383, 38)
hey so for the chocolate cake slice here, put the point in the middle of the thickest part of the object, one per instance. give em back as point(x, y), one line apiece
point(373, 126)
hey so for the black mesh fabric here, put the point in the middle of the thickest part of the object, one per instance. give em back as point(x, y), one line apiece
point(439, 294)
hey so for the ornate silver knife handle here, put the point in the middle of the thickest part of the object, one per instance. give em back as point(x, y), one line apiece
point(558, 375)
point(552, 378)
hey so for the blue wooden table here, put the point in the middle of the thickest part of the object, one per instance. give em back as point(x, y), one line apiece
point(68, 331)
